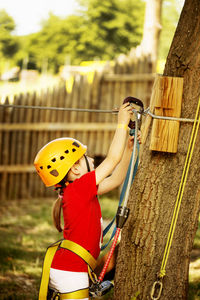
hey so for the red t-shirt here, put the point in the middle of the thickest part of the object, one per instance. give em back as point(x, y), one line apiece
point(82, 223)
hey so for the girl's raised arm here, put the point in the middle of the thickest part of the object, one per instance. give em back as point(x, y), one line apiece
point(117, 146)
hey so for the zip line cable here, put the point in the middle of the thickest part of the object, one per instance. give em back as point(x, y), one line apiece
point(59, 108)
point(112, 111)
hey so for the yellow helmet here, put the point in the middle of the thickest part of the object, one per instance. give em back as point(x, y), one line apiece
point(56, 158)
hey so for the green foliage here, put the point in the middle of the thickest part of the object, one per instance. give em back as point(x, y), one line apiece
point(101, 29)
point(8, 43)
point(194, 291)
point(115, 26)
point(7, 23)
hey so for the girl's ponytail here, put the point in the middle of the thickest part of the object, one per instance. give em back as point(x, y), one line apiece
point(56, 212)
point(57, 206)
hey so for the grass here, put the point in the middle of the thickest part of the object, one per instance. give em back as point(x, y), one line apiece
point(194, 273)
point(25, 232)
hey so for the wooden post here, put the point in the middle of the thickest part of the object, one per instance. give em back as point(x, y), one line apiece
point(167, 102)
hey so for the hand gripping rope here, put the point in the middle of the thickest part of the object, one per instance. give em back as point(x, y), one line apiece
point(99, 288)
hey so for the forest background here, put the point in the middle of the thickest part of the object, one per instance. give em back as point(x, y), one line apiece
point(98, 30)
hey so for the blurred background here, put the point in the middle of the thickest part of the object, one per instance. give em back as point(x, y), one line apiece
point(42, 37)
point(77, 54)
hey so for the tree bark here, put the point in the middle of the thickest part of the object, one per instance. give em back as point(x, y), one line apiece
point(152, 29)
point(154, 191)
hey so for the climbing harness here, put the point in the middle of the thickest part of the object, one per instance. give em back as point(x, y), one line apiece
point(79, 294)
point(158, 286)
point(51, 250)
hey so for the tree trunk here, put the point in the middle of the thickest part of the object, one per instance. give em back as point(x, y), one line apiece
point(152, 28)
point(156, 185)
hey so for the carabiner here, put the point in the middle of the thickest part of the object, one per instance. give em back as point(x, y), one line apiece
point(157, 287)
point(139, 103)
point(92, 275)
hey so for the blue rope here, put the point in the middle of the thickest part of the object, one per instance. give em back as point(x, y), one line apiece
point(132, 132)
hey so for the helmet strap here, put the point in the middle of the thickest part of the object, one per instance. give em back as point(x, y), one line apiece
point(61, 185)
point(87, 163)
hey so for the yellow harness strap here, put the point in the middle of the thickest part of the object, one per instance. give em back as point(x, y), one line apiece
point(80, 251)
point(80, 294)
point(51, 250)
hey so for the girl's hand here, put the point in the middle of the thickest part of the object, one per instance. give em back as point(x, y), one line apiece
point(125, 113)
point(131, 140)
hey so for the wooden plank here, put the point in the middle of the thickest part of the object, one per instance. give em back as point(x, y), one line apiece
point(5, 148)
point(95, 103)
point(61, 102)
point(100, 143)
point(134, 83)
point(57, 126)
point(128, 77)
point(14, 140)
point(167, 102)
point(17, 168)
point(140, 84)
point(106, 140)
point(123, 83)
point(38, 138)
point(116, 94)
point(86, 89)
point(148, 84)
point(82, 90)
point(74, 103)
point(27, 148)
point(20, 181)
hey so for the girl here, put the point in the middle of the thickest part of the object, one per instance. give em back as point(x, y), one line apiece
point(64, 163)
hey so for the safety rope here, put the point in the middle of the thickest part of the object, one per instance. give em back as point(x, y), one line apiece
point(132, 159)
point(123, 211)
point(158, 284)
point(113, 111)
point(124, 188)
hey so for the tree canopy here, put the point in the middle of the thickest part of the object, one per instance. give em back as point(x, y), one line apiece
point(8, 43)
point(99, 30)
